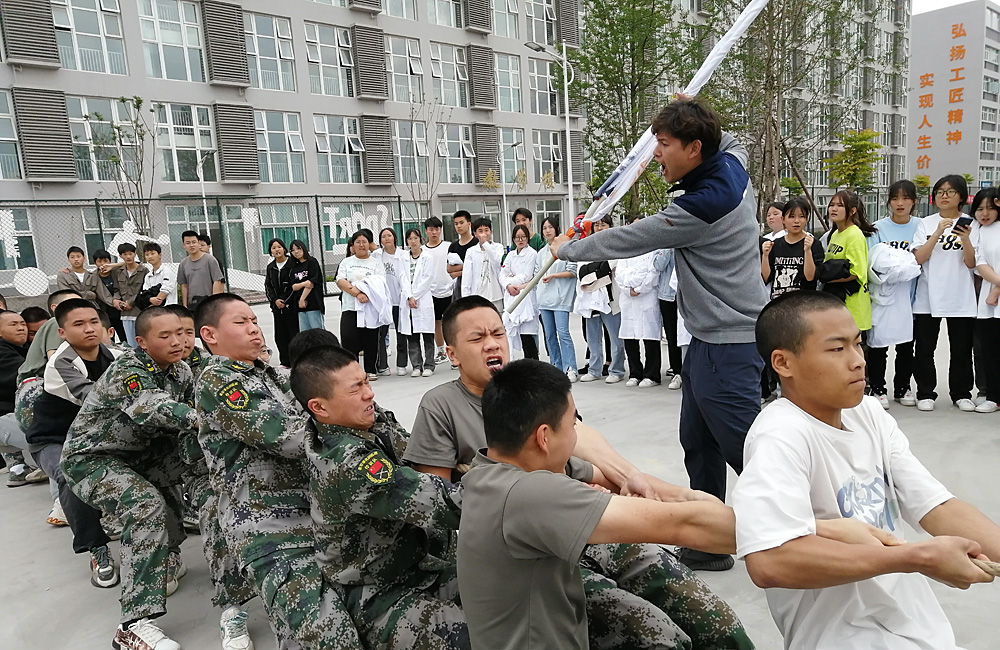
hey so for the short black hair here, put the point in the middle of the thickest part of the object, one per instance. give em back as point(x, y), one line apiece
point(101, 254)
point(552, 221)
point(210, 309)
point(906, 188)
point(56, 295)
point(34, 314)
point(957, 183)
point(413, 231)
point(480, 222)
point(689, 120)
point(146, 316)
point(522, 211)
point(781, 324)
point(280, 241)
point(465, 214)
point(298, 243)
point(75, 249)
point(204, 237)
point(463, 304)
point(312, 371)
point(180, 310)
point(608, 220)
point(65, 307)
point(308, 339)
point(395, 237)
point(126, 248)
point(988, 194)
point(796, 202)
point(433, 222)
point(152, 246)
point(778, 205)
point(105, 318)
point(520, 397)
point(189, 233)
point(521, 228)
point(9, 311)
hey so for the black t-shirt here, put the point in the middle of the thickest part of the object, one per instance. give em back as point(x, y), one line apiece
point(96, 367)
point(109, 282)
point(461, 249)
point(787, 262)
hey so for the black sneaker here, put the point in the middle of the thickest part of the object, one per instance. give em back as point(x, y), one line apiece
point(701, 561)
point(103, 572)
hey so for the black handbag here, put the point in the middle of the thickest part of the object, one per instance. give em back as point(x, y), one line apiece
point(142, 300)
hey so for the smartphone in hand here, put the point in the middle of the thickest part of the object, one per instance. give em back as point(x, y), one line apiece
point(964, 221)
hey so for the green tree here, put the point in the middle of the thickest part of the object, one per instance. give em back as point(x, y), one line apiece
point(923, 183)
point(854, 166)
point(792, 186)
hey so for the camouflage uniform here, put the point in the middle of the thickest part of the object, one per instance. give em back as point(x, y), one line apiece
point(383, 531)
point(251, 433)
point(651, 600)
point(24, 401)
point(121, 458)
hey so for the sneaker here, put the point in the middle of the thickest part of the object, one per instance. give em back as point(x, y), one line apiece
point(988, 406)
point(612, 379)
point(416, 372)
point(632, 382)
point(441, 357)
point(980, 399)
point(103, 572)
point(23, 475)
point(233, 629)
point(143, 635)
point(925, 405)
point(56, 516)
point(190, 521)
point(429, 372)
point(372, 376)
point(588, 377)
point(175, 571)
point(701, 561)
point(966, 405)
point(675, 383)
point(907, 399)
point(573, 376)
point(400, 372)
point(647, 383)
point(883, 400)
point(385, 372)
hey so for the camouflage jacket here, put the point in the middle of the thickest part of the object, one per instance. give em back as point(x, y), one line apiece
point(135, 411)
point(190, 450)
point(251, 432)
point(195, 361)
point(376, 521)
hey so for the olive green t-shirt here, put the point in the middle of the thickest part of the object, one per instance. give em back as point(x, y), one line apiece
point(519, 547)
point(46, 338)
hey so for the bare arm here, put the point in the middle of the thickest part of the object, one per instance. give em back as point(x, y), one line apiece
point(455, 270)
point(956, 517)
point(765, 261)
point(968, 250)
point(809, 270)
point(924, 252)
point(184, 295)
point(443, 472)
point(218, 287)
point(704, 526)
point(592, 447)
point(988, 274)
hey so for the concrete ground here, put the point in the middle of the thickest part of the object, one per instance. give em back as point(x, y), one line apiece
point(49, 604)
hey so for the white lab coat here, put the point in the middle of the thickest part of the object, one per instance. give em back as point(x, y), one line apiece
point(475, 266)
point(890, 276)
point(518, 268)
point(395, 272)
point(378, 310)
point(421, 319)
point(683, 335)
point(593, 296)
point(640, 314)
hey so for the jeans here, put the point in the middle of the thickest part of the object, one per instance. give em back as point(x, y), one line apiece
point(424, 360)
point(558, 339)
point(310, 320)
point(128, 324)
point(877, 361)
point(84, 521)
point(960, 332)
point(595, 343)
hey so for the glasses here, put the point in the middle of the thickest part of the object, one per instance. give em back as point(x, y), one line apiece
point(521, 238)
point(946, 193)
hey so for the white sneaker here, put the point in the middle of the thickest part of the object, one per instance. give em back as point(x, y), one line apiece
point(143, 635)
point(175, 571)
point(588, 377)
point(612, 379)
point(632, 382)
point(400, 372)
point(416, 372)
point(56, 516)
point(573, 376)
point(233, 629)
point(966, 405)
point(385, 372)
point(883, 400)
point(675, 383)
point(427, 373)
point(925, 405)
point(979, 399)
point(647, 383)
point(987, 407)
point(441, 357)
point(908, 399)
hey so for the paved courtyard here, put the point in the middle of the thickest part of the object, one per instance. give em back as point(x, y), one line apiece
point(49, 604)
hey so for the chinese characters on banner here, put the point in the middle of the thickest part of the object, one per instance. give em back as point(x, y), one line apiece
point(955, 97)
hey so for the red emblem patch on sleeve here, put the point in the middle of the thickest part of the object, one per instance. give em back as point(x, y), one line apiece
point(376, 468)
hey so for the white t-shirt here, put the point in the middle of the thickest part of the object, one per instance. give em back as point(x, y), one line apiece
point(799, 469)
point(944, 287)
point(443, 285)
point(987, 243)
point(355, 270)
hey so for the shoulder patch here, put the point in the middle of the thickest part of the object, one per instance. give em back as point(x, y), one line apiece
point(132, 384)
point(151, 367)
point(240, 366)
point(234, 396)
point(376, 468)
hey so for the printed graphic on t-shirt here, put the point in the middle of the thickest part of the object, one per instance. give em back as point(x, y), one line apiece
point(902, 245)
point(786, 270)
point(833, 248)
point(950, 241)
point(868, 501)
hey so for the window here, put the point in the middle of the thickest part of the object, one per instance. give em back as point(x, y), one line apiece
point(10, 163)
point(547, 152)
point(99, 126)
point(549, 208)
point(989, 115)
point(333, 3)
point(513, 157)
point(992, 20)
point(228, 235)
point(544, 100)
point(400, 8)
point(508, 71)
point(541, 21)
point(109, 221)
point(991, 88)
point(171, 35)
point(505, 18)
point(279, 147)
point(331, 60)
point(184, 135)
point(404, 70)
point(409, 149)
point(286, 221)
point(987, 145)
point(451, 75)
point(445, 12)
point(455, 153)
point(17, 245)
point(338, 148)
point(269, 52)
point(992, 56)
point(89, 35)
point(985, 176)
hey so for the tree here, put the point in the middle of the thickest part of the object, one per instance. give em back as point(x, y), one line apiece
point(854, 167)
point(792, 185)
point(420, 172)
point(969, 179)
point(923, 183)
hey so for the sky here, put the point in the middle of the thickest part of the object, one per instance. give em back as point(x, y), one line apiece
point(921, 6)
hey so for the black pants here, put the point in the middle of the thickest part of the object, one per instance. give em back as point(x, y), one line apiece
point(877, 361)
point(636, 369)
point(84, 521)
point(990, 335)
point(383, 352)
point(359, 339)
point(925, 332)
point(529, 343)
point(286, 326)
point(668, 311)
point(421, 360)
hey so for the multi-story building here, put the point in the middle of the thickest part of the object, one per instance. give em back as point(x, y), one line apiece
point(363, 112)
point(955, 92)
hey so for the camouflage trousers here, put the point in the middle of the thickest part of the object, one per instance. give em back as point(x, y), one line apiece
point(405, 618)
point(148, 505)
point(641, 596)
point(24, 402)
point(304, 611)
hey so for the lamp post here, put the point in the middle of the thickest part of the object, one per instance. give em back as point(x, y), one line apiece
point(201, 181)
point(503, 181)
point(568, 76)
